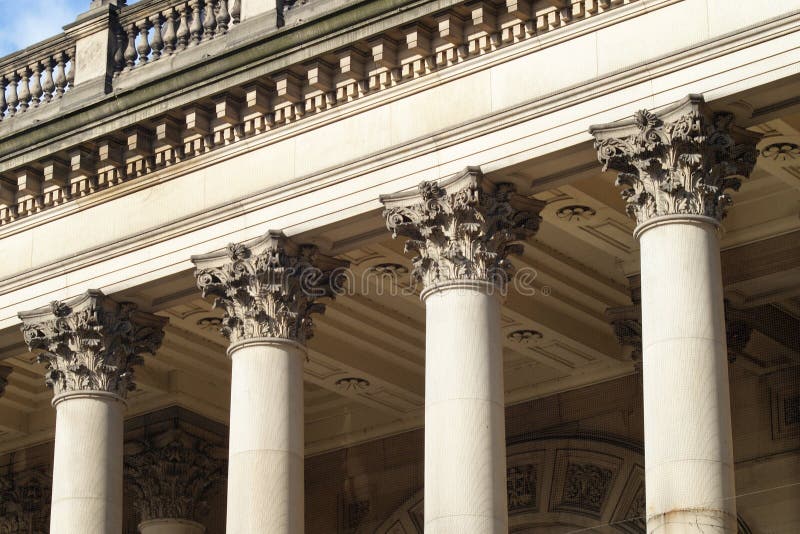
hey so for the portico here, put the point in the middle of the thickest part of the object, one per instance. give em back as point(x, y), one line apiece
point(372, 268)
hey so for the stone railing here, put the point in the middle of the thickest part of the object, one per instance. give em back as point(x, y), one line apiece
point(152, 29)
point(37, 75)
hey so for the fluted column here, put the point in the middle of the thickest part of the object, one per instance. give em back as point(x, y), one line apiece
point(675, 169)
point(267, 289)
point(462, 231)
point(89, 345)
point(170, 476)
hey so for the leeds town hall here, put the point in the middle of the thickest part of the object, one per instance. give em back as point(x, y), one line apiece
point(401, 267)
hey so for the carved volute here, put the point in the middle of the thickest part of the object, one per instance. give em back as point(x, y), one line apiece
point(682, 160)
point(91, 343)
point(463, 228)
point(269, 287)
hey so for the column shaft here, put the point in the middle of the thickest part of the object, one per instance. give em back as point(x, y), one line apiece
point(465, 458)
point(87, 465)
point(265, 470)
point(687, 418)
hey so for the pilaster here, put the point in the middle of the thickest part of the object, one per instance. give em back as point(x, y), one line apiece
point(25, 501)
point(171, 475)
point(4, 372)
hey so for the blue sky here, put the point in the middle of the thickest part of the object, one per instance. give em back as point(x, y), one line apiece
point(23, 23)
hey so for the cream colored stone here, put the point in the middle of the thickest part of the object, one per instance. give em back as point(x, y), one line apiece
point(687, 415)
point(465, 488)
point(251, 8)
point(265, 469)
point(87, 464)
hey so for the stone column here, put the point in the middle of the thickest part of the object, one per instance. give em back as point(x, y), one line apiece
point(267, 289)
point(170, 476)
point(675, 168)
point(462, 231)
point(89, 345)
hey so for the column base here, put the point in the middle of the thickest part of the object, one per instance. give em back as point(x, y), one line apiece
point(171, 526)
point(682, 521)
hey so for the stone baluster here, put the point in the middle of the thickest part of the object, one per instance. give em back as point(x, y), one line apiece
point(130, 53)
point(170, 476)
point(48, 85)
point(143, 48)
point(157, 43)
point(223, 17)
point(183, 33)
point(3, 104)
point(209, 21)
point(72, 68)
point(60, 78)
point(120, 42)
point(196, 27)
point(169, 31)
point(463, 231)
point(35, 84)
point(13, 99)
point(268, 289)
point(675, 169)
point(90, 345)
point(23, 91)
point(236, 11)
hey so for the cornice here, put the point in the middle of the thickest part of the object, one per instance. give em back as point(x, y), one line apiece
point(135, 97)
point(414, 149)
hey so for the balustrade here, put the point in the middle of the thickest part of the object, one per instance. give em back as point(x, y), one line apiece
point(27, 83)
point(143, 33)
point(144, 36)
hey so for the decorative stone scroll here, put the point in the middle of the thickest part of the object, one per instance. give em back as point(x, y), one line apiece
point(172, 474)
point(4, 372)
point(463, 228)
point(679, 161)
point(91, 343)
point(25, 502)
point(269, 287)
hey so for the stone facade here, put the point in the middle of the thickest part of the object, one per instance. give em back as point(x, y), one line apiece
point(362, 267)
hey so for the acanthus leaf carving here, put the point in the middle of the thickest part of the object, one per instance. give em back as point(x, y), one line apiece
point(25, 502)
point(269, 288)
point(171, 475)
point(462, 229)
point(679, 162)
point(91, 343)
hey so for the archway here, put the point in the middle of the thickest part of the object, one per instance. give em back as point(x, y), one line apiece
point(561, 485)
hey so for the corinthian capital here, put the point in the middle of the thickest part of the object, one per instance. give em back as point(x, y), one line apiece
point(171, 475)
point(268, 287)
point(463, 228)
point(91, 342)
point(680, 161)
